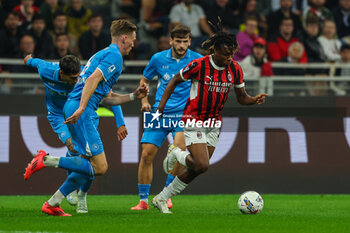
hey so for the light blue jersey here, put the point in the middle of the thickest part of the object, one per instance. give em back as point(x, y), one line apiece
point(56, 90)
point(109, 61)
point(163, 66)
point(56, 94)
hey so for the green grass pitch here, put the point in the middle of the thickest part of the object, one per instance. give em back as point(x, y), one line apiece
point(191, 213)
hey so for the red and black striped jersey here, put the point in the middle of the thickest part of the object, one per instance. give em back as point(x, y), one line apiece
point(209, 88)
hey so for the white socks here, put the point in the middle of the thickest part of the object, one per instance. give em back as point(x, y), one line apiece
point(51, 161)
point(82, 194)
point(145, 200)
point(176, 187)
point(56, 199)
point(181, 156)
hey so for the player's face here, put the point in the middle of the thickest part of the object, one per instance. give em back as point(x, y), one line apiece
point(223, 56)
point(180, 45)
point(71, 79)
point(129, 43)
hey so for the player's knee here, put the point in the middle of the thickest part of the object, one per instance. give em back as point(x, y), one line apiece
point(201, 167)
point(146, 157)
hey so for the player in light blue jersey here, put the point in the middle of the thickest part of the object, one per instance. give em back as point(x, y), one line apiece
point(59, 80)
point(164, 65)
point(94, 85)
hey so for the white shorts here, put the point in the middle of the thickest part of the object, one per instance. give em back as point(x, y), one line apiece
point(194, 135)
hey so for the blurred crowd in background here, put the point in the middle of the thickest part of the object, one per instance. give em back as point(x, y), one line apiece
point(290, 31)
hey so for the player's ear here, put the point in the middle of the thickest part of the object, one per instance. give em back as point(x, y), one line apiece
point(123, 37)
point(171, 41)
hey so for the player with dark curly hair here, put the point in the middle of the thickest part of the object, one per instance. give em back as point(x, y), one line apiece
point(211, 78)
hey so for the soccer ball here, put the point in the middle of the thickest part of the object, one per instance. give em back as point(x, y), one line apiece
point(250, 202)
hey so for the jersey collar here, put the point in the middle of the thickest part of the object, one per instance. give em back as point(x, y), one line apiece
point(213, 63)
point(114, 46)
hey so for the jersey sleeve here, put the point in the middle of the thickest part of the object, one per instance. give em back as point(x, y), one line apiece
point(238, 81)
point(150, 70)
point(35, 62)
point(45, 69)
point(110, 65)
point(191, 71)
point(118, 115)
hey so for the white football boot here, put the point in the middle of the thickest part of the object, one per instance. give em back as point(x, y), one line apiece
point(82, 204)
point(170, 159)
point(161, 205)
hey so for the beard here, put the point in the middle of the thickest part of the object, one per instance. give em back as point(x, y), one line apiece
point(180, 52)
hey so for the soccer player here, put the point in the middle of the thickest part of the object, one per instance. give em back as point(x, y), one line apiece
point(164, 65)
point(94, 84)
point(211, 78)
point(59, 80)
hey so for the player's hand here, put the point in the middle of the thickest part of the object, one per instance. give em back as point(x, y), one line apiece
point(122, 132)
point(260, 99)
point(74, 118)
point(141, 91)
point(29, 56)
point(146, 107)
point(160, 109)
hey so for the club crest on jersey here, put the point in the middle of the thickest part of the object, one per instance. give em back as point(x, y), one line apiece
point(229, 76)
point(95, 147)
point(166, 76)
point(199, 134)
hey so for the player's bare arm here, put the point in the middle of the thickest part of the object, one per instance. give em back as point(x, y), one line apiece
point(245, 99)
point(145, 105)
point(169, 90)
point(89, 88)
point(117, 99)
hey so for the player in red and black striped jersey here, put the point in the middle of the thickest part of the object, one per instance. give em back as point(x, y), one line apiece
point(211, 78)
point(210, 87)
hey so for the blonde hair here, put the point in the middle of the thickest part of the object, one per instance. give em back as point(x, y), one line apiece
point(122, 27)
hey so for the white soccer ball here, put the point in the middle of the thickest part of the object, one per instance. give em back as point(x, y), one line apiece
point(250, 202)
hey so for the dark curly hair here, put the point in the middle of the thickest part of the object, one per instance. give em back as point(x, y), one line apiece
point(219, 39)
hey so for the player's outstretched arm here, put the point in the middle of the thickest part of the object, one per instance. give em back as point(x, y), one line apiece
point(169, 90)
point(89, 88)
point(117, 99)
point(244, 99)
point(122, 132)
